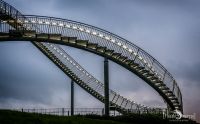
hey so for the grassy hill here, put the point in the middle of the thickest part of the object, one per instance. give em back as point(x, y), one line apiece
point(13, 117)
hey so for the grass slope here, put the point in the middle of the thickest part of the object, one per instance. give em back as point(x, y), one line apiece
point(13, 117)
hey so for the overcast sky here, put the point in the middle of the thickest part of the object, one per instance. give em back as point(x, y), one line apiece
point(167, 29)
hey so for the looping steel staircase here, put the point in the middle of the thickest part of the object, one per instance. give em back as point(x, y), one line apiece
point(15, 26)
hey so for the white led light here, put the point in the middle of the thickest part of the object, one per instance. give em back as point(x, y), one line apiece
point(11, 21)
point(83, 71)
point(28, 28)
point(140, 57)
point(26, 21)
point(107, 38)
point(68, 26)
point(100, 35)
point(88, 31)
point(74, 64)
point(67, 58)
point(40, 22)
point(74, 27)
point(112, 40)
point(54, 48)
point(135, 53)
point(33, 21)
point(64, 56)
point(130, 50)
point(119, 44)
point(61, 53)
point(61, 24)
point(58, 51)
point(94, 33)
point(124, 46)
point(47, 23)
point(19, 21)
point(149, 65)
point(53, 23)
point(145, 61)
point(81, 29)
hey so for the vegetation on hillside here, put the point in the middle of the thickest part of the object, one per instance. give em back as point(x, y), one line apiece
point(14, 117)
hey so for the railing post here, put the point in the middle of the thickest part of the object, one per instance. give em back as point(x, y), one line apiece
point(63, 111)
point(72, 97)
point(106, 86)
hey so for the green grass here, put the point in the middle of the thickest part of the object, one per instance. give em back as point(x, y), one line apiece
point(14, 117)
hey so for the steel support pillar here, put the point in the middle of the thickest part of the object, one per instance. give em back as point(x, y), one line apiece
point(72, 97)
point(106, 86)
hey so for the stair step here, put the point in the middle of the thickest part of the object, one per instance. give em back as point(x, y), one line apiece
point(72, 40)
point(100, 49)
point(128, 61)
point(140, 68)
point(29, 33)
point(173, 98)
point(116, 55)
point(150, 74)
point(42, 35)
point(163, 87)
point(159, 84)
point(92, 45)
point(122, 58)
point(82, 42)
point(109, 52)
point(134, 65)
point(65, 39)
point(55, 36)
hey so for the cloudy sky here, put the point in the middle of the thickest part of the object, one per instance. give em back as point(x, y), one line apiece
point(167, 29)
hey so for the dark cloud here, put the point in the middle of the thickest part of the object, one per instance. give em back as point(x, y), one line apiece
point(167, 29)
point(189, 72)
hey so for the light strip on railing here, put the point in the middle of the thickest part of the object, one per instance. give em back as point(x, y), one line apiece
point(93, 33)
